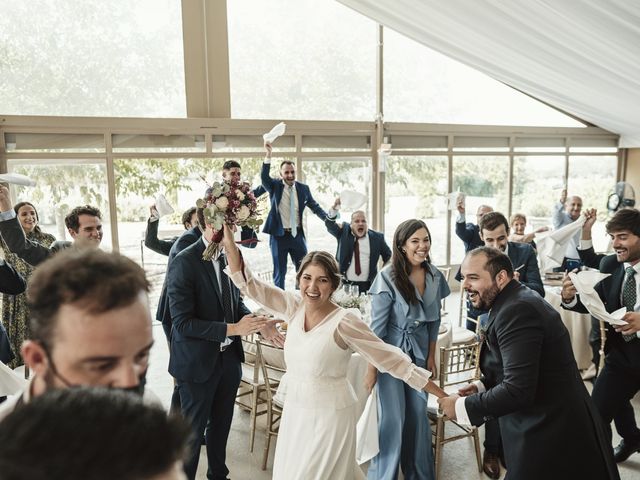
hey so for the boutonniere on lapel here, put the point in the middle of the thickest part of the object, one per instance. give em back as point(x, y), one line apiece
point(229, 202)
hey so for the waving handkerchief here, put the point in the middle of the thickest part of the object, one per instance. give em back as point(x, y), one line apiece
point(10, 382)
point(585, 282)
point(275, 132)
point(17, 179)
point(553, 247)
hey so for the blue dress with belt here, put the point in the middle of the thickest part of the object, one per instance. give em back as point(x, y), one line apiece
point(404, 430)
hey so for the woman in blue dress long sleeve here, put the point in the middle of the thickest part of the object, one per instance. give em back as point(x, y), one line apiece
point(405, 312)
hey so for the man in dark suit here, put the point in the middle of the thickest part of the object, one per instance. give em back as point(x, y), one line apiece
point(288, 199)
point(469, 233)
point(494, 232)
point(358, 266)
point(530, 381)
point(11, 283)
point(619, 379)
point(83, 223)
point(208, 316)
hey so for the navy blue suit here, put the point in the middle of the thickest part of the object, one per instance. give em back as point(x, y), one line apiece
point(207, 378)
point(470, 236)
point(346, 241)
point(282, 243)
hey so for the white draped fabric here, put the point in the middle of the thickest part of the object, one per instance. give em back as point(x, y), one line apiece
point(580, 56)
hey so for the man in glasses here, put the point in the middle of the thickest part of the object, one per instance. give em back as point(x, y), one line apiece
point(90, 325)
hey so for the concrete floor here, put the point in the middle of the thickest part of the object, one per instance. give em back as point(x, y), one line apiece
point(458, 457)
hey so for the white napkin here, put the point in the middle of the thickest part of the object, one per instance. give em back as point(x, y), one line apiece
point(453, 198)
point(584, 283)
point(275, 132)
point(350, 200)
point(552, 248)
point(17, 179)
point(163, 206)
point(10, 382)
point(367, 445)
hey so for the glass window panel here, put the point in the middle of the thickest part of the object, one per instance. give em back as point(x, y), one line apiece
point(54, 142)
point(537, 183)
point(593, 179)
point(483, 180)
point(158, 143)
point(251, 143)
point(301, 59)
point(416, 187)
point(92, 58)
point(327, 178)
point(422, 85)
point(60, 187)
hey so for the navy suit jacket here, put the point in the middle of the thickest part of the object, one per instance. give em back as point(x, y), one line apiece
point(470, 236)
point(524, 254)
point(275, 187)
point(346, 241)
point(197, 315)
point(163, 314)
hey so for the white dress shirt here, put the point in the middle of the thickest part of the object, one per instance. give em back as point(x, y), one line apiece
point(285, 206)
point(365, 256)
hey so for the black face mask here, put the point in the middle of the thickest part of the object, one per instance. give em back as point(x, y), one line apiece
point(136, 389)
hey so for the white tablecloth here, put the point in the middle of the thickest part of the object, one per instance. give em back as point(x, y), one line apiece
point(578, 325)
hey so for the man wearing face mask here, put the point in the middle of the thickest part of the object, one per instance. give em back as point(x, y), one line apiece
point(359, 248)
point(90, 325)
point(84, 224)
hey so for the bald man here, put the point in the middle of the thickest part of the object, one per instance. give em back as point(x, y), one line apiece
point(565, 212)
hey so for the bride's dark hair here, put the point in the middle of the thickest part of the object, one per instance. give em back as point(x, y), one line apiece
point(324, 260)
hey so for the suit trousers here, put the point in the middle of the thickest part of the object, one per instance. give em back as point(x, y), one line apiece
point(615, 386)
point(281, 248)
point(208, 406)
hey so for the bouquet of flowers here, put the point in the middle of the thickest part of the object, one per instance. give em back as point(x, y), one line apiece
point(230, 203)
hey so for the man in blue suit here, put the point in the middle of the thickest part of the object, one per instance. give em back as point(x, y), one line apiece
point(359, 248)
point(494, 232)
point(208, 316)
point(288, 200)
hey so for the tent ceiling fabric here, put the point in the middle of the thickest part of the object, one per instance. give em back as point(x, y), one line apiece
point(581, 56)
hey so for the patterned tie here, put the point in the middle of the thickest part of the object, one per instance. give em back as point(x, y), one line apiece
point(629, 296)
point(225, 290)
point(292, 214)
point(356, 254)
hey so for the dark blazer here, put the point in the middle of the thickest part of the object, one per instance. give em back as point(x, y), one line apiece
point(11, 282)
point(163, 314)
point(197, 316)
point(346, 241)
point(534, 388)
point(30, 251)
point(609, 291)
point(275, 187)
point(524, 254)
point(152, 242)
point(590, 258)
point(470, 236)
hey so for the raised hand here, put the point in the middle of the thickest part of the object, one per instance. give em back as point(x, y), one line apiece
point(247, 325)
point(267, 149)
point(568, 289)
point(5, 199)
point(271, 333)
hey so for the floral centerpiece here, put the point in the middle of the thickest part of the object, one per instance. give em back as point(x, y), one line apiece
point(231, 203)
point(359, 302)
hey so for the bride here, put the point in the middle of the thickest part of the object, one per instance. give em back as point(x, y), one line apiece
point(317, 437)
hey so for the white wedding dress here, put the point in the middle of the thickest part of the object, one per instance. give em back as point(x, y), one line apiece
point(317, 436)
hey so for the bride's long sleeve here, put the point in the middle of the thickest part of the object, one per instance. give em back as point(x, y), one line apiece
point(275, 300)
point(357, 335)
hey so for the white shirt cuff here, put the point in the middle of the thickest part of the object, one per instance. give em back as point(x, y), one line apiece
point(267, 160)
point(480, 386)
point(332, 214)
point(584, 244)
point(461, 412)
point(571, 304)
point(153, 218)
point(8, 215)
point(461, 218)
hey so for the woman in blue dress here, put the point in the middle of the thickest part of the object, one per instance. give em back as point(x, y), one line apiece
point(406, 297)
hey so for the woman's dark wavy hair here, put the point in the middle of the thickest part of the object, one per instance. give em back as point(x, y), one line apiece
point(19, 205)
point(400, 266)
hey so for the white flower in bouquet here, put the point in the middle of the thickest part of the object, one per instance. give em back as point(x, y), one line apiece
point(240, 196)
point(222, 203)
point(243, 213)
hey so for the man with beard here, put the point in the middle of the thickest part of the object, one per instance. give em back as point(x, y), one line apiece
point(359, 248)
point(619, 379)
point(530, 381)
point(565, 212)
point(84, 224)
point(90, 325)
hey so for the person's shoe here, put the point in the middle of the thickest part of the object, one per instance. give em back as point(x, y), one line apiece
point(491, 464)
point(624, 450)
